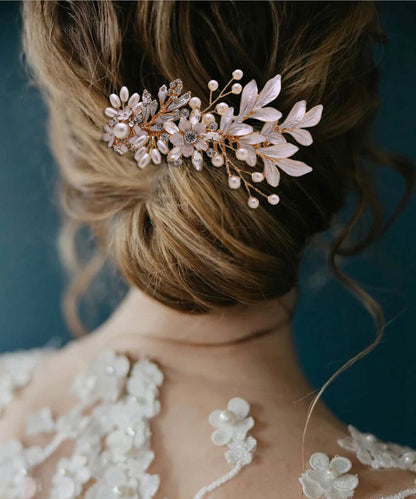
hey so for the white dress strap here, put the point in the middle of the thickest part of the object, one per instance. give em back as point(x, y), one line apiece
point(231, 429)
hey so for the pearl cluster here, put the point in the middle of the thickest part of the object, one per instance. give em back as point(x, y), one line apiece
point(178, 126)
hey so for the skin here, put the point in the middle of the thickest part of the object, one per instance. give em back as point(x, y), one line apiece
point(206, 360)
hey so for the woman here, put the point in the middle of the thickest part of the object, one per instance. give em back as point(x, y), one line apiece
point(212, 262)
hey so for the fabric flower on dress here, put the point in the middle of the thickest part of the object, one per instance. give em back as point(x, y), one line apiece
point(378, 454)
point(148, 371)
point(231, 423)
point(104, 380)
point(241, 451)
point(70, 477)
point(145, 395)
point(328, 479)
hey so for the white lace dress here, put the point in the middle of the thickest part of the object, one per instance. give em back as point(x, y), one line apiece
point(110, 428)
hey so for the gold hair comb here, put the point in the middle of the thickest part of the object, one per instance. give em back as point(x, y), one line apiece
point(175, 126)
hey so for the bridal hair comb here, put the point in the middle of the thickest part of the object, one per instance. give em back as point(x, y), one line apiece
point(175, 126)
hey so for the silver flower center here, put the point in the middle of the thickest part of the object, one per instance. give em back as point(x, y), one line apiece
point(190, 136)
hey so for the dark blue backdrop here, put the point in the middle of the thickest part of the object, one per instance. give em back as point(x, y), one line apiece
point(330, 326)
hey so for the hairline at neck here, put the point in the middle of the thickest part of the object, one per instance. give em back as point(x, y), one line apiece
point(138, 314)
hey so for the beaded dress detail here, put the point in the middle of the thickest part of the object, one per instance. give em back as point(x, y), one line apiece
point(110, 431)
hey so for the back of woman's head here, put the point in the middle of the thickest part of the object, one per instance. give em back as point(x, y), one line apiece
point(181, 235)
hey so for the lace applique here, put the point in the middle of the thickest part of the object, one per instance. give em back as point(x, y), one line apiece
point(377, 454)
point(111, 434)
point(402, 495)
point(328, 478)
point(16, 370)
point(231, 428)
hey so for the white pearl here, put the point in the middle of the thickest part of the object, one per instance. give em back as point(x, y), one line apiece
point(213, 85)
point(273, 199)
point(217, 160)
point(134, 100)
point(257, 177)
point(222, 107)
point(115, 100)
point(195, 116)
point(236, 88)
point(207, 118)
point(156, 157)
point(140, 140)
point(139, 153)
point(110, 112)
point(253, 202)
point(195, 102)
point(124, 94)
point(144, 161)
point(234, 182)
point(162, 146)
point(237, 74)
point(227, 417)
point(241, 154)
point(121, 130)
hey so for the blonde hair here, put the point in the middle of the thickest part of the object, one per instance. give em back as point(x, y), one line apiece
point(180, 235)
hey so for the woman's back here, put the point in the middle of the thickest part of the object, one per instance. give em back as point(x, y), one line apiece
point(196, 381)
point(207, 209)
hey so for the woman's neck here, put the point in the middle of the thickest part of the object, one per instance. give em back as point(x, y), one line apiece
point(140, 315)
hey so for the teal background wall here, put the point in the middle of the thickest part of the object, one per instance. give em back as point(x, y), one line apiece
point(377, 394)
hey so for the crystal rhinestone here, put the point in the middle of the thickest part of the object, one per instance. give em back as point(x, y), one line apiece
point(185, 112)
point(213, 126)
point(170, 91)
point(177, 162)
point(211, 153)
point(190, 136)
point(165, 137)
point(157, 127)
point(131, 124)
point(172, 84)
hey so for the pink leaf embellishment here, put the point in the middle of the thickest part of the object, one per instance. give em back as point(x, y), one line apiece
point(226, 120)
point(248, 98)
point(294, 168)
point(271, 173)
point(270, 91)
point(266, 114)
